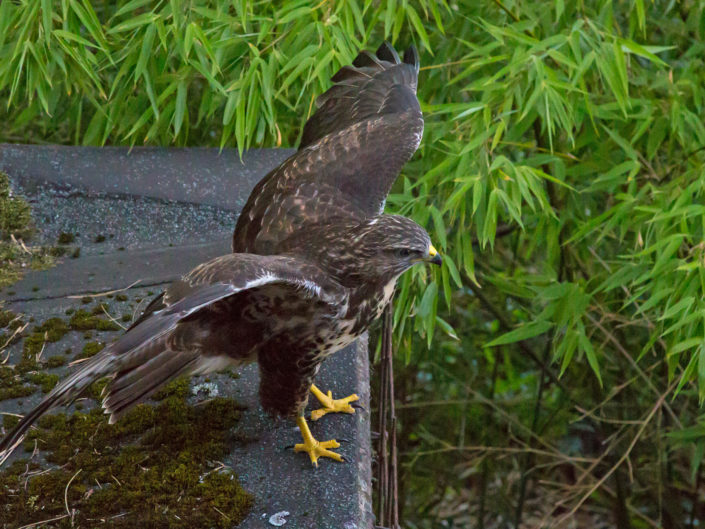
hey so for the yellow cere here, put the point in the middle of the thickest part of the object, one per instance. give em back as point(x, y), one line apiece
point(432, 251)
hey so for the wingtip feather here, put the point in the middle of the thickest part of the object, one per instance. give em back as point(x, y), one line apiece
point(411, 56)
point(6, 451)
point(366, 58)
point(386, 52)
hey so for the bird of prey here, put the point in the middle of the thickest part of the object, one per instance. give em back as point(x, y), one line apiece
point(315, 261)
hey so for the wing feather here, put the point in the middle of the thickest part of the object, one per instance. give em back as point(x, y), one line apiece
point(367, 126)
point(169, 343)
point(361, 89)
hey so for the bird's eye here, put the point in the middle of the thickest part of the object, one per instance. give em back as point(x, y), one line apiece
point(402, 252)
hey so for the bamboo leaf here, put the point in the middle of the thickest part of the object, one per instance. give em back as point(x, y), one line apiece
point(427, 300)
point(180, 109)
point(524, 332)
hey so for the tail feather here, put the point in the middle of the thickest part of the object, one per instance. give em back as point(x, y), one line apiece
point(136, 385)
point(64, 393)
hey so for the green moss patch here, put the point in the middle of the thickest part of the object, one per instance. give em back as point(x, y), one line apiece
point(55, 361)
point(15, 218)
point(26, 377)
point(156, 468)
point(9, 321)
point(15, 229)
point(46, 381)
point(12, 386)
point(82, 320)
point(22, 379)
point(7, 317)
point(95, 391)
point(51, 330)
point(66, 238)
point(90, 349)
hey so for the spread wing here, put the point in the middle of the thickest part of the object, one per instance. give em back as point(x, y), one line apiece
point(217, 315)
point(367, 126)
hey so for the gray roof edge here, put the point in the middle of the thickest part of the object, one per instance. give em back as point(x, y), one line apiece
point(364, 442)
point(200, 175)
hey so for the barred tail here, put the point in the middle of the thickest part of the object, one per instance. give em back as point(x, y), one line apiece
point(64, 393)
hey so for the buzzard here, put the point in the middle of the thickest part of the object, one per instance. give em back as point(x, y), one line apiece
point(315, 261)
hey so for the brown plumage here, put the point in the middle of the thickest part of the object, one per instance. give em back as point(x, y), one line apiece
point(367, 126)
point(315, 263)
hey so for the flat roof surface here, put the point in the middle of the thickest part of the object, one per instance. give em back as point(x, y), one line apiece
point(142, 218)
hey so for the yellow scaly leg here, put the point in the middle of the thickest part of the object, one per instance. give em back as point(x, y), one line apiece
point(330, 405)
point(313, 448)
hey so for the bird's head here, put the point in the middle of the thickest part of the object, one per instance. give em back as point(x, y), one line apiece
point(385, 246)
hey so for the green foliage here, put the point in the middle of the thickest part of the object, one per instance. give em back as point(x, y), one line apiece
point(576, 133)
point(204, 72)
point(560, 174)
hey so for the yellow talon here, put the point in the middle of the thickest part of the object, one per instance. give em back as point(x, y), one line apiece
point(314, 448)
point(331, 405)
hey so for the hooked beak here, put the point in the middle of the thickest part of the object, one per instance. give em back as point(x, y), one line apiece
point(433, 256)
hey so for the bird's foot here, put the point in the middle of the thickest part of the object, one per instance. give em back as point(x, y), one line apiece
point(331, 405)
point(313, 448)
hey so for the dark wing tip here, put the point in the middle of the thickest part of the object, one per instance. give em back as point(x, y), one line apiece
point(365, 58)
point(386, 52)
point(346, 72)
point(373, 84)
point(411, 56)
